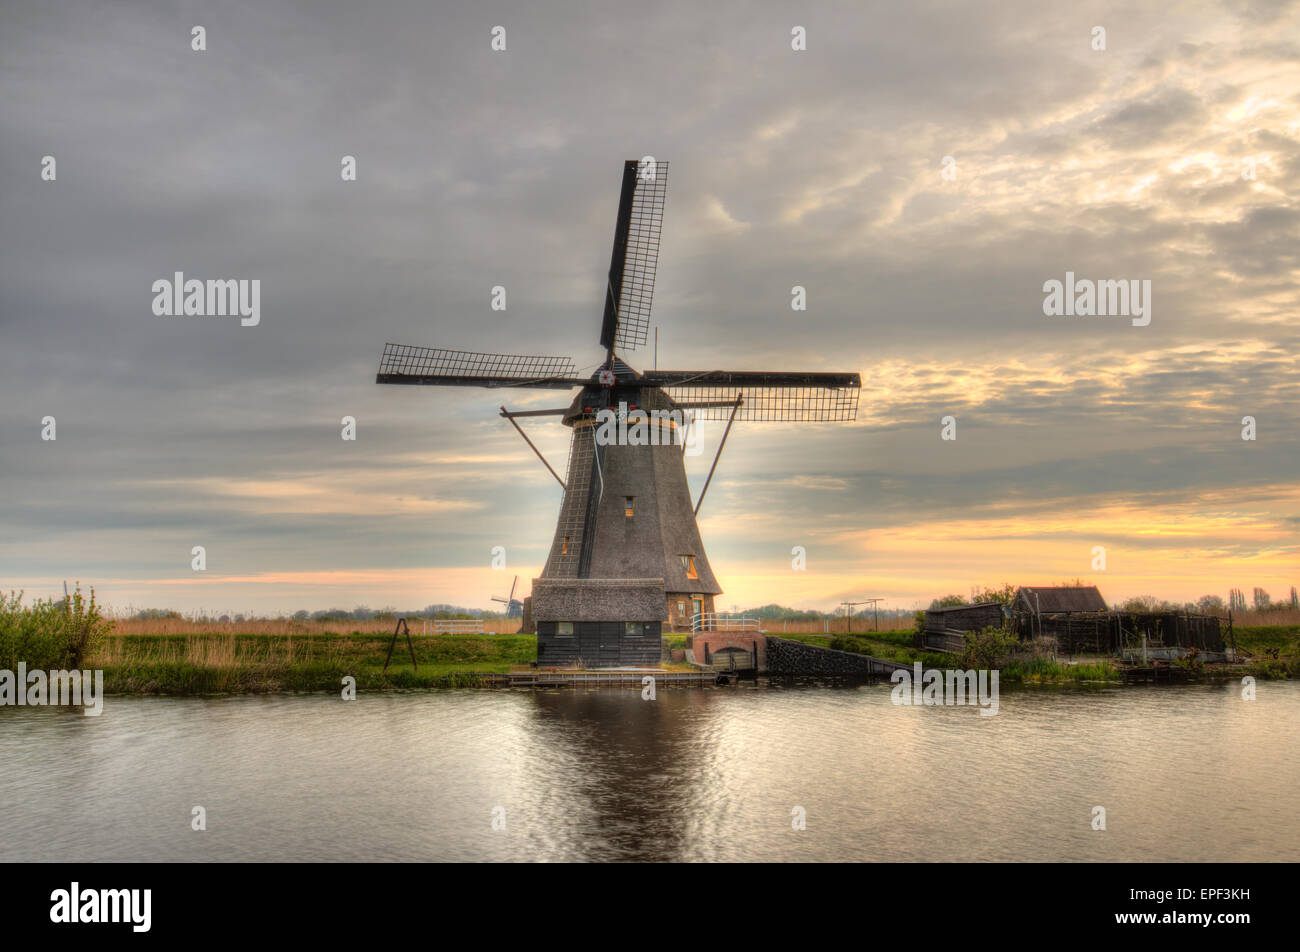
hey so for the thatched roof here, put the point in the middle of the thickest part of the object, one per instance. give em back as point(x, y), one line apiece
point(599, 599)
point(1070, 598)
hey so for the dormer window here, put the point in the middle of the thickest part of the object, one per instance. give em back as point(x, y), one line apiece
point(627, 506)
point(688, 564)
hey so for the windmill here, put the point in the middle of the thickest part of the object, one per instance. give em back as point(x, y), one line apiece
point(514, 607)
point(627, 557)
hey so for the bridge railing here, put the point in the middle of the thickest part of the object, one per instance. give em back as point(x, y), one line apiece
point(723, 621)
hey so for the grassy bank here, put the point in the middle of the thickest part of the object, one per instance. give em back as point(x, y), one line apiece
point(221, 663)
point(306, 658)
point(1270, 651)
point(886, 645)
point(897, 646)
point(1274, 649)
point(1256, 641)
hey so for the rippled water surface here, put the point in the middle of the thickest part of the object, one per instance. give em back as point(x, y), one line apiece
point(1185, 773)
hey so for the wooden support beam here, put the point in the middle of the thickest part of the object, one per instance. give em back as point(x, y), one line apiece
point(730, 420)
point(511, 417)
point(510, 414)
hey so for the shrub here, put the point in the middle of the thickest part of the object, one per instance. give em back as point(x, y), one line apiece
point(49, 634)
point(985, 648)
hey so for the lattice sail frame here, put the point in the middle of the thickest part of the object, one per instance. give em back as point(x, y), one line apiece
point(771, 404)
point(406, 360)
point(641, 257)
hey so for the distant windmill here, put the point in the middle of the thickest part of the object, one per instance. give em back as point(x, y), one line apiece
point(627, 554)
point(514, 607)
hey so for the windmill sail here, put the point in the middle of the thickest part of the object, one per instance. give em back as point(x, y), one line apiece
point(632, 266)
point(401, 363)
point(774, 397)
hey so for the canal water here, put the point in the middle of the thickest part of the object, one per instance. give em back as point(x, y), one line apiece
point(1186, 773)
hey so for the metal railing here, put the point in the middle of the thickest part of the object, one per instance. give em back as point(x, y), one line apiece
point(723, 621)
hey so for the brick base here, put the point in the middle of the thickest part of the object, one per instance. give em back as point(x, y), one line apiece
point(707, 644)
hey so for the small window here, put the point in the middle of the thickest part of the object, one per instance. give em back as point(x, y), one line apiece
point(564, 548)
point(564, 628)
point(681, 608)
point(633, 628)
point(688, 563)
point(627, 506)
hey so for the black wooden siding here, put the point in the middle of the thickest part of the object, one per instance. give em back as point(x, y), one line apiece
point(599, 644)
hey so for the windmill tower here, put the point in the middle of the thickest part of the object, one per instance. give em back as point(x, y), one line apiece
point(627, 557)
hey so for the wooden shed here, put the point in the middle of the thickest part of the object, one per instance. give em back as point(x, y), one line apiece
point(1079, 620)
point(1061, 599)
point(945, 628)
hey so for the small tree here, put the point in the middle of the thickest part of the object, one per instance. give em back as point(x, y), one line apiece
point(84, 627)
point(50, 634)
point(1211, 605)
point(1005, 595)
point(985, 648)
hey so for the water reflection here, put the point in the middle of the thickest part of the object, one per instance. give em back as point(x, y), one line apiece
point(1186, 773)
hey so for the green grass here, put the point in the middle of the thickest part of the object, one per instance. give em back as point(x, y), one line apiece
point(1259, 638)
point(236, 664)
point(1042, 670)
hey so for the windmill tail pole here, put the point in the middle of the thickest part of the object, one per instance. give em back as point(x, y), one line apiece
point(505, 413)
point(717, 456)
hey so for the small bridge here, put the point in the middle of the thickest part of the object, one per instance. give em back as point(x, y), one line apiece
point(723, 621)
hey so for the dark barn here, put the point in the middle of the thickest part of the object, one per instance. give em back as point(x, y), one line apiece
point(945, 628)
point(1173, 629)
point(1079, 620)
point(1076, 616)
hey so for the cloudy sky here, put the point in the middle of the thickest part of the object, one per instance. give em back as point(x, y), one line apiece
point(1173, 155)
